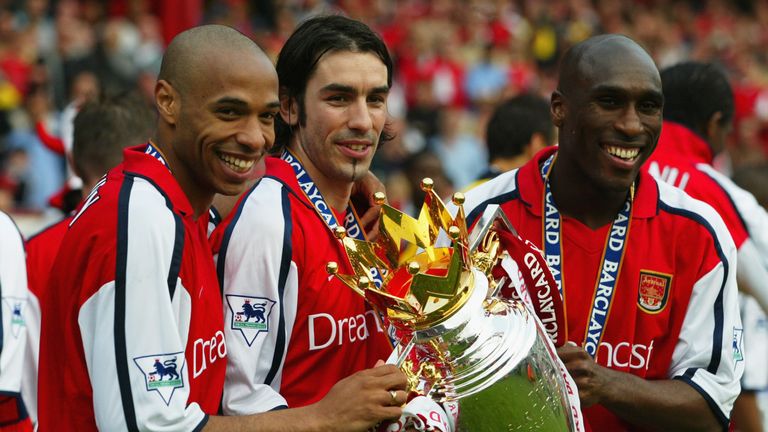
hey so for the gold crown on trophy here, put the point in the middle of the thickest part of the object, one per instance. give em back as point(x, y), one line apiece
point(420, 284)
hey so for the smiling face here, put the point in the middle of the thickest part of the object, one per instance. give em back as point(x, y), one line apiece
point(610, 115)
point(345, 107)
point(225, 123)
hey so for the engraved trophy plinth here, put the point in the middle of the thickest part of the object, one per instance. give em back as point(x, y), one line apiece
point(458, 342)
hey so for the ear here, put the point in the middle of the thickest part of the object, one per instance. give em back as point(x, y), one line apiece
point(557, 108)
point(289, 109)
point(713, 126)
point(167, 101)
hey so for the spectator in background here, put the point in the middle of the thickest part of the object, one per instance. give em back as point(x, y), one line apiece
point(44, 171)
point(85, 87)
point(420, 165)
point(518, 129)
point(461, 152)
point(101, 130)
point(486, 80)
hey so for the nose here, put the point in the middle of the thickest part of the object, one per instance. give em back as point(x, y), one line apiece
point(359, 116)
point(255, 136)
point(629, 123)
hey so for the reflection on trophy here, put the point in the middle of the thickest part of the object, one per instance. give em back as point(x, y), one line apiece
point(458, 341)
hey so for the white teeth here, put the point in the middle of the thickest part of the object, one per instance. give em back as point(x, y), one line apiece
point(623, 153)
point(356, 147)
point(236, 164)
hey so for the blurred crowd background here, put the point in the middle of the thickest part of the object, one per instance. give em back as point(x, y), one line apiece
point(455, 61)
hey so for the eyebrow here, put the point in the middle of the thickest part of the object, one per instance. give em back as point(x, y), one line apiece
point(228, 100)
point(605, 88)
point(335, 87)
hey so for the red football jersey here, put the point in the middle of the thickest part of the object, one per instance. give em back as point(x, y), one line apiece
point(291, 328)
point(41, 252)
point(677, 159)
point(132, 335)
point(673, 312)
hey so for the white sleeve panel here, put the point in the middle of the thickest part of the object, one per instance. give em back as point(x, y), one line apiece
point(13, 286)
point(32, 356)
point(152, 379)
point(498, 190)
point(708, 352)
point(752, 213)
point(753, 253)
point(260, 283)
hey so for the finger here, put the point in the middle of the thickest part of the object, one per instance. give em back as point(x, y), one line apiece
point(382, 369)
point(393, 380)
point(389, 412)
point(397, 397)
point(370, 215)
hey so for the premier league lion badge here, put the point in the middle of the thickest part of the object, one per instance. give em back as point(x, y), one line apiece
point(16, 306)
point(738, 338)
point(250, 315)
point(163, 373)
point(653, 292)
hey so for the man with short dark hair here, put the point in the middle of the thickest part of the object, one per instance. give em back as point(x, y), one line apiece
point(518, 129)
point(293, 331)
point(646, 273)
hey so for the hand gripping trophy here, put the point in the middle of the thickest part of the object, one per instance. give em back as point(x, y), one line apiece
point(459, 341)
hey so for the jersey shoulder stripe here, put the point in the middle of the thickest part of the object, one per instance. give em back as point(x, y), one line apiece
point(676, 202)
point(228, 229)
point(723, 183)
point(156, 219)
point(121, 356)
point(256, 219)
point(498, 190)
point(285, 266)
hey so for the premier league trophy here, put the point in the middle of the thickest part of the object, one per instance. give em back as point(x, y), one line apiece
point(458, 341)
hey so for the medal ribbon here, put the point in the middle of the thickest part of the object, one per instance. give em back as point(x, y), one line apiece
point(613, 254)
point(155, 153)
point(351, 220)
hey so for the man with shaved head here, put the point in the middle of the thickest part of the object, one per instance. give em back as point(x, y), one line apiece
point(132, 336)
point(646, 273)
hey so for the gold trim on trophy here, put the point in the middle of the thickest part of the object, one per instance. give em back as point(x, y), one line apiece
point(421, 284)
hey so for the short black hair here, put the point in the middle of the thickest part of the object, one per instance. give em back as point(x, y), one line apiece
point(182, 61)
point(694, 91)
point(104, 127)
point(514, 122)
point(309, 42)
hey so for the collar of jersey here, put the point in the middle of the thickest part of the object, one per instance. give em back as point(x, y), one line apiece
point(531, 188)
point(278, 168)
point(138, 162)
point(682, 142)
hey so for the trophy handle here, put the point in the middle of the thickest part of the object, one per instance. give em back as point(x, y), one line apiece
point(400, 353)
point(485, 222)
